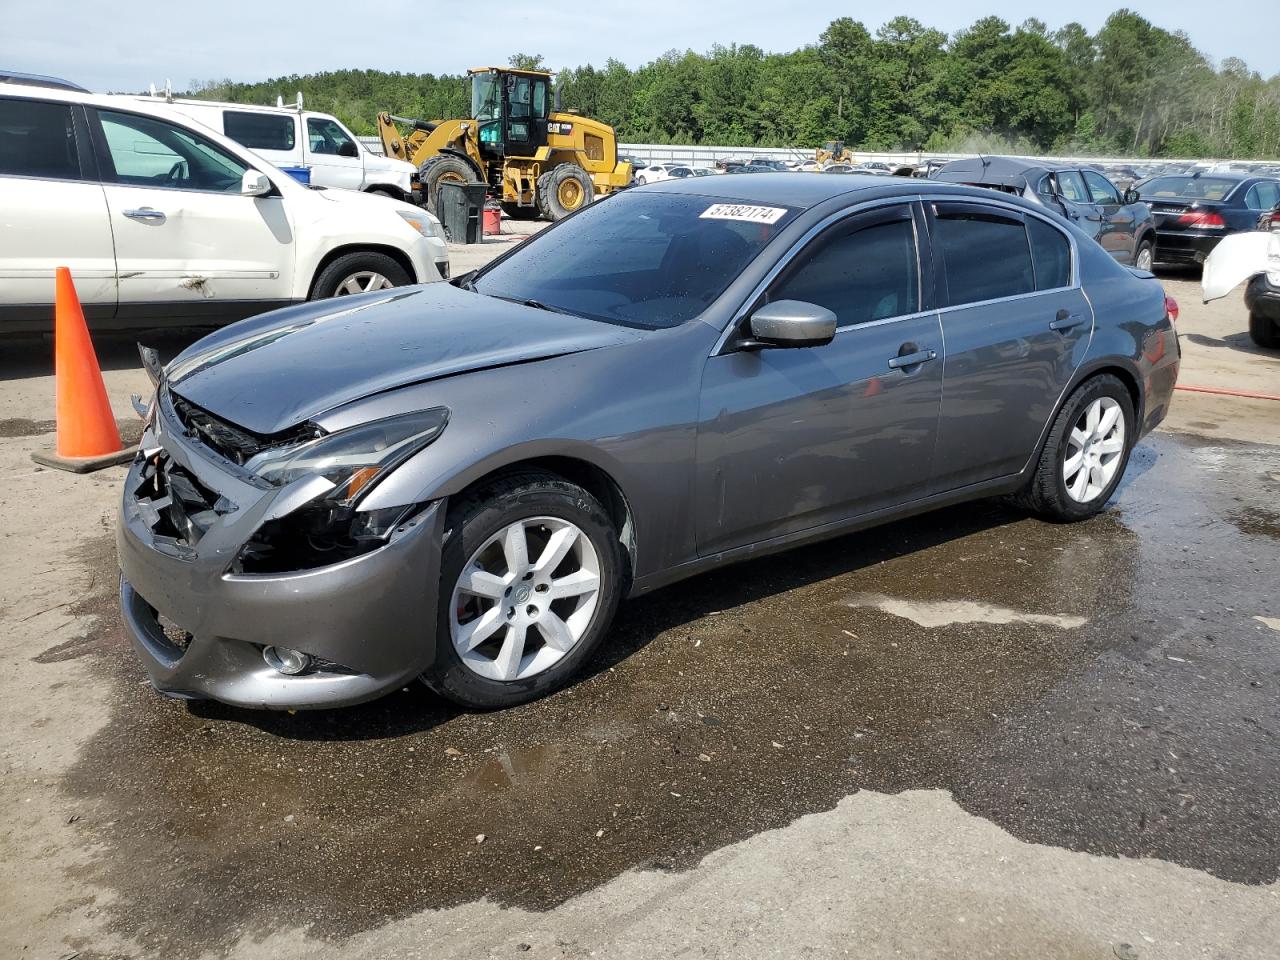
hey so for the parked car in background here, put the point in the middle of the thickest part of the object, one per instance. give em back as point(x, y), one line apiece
point(1251, 258)
point(840, 168)
point(809, 166)
point(1194, 211)
point(771, 164)
point(655, 172)
point(292, 137)
point(161, 219)
point(327, 510)
point(703, 171)
point(1120, 222)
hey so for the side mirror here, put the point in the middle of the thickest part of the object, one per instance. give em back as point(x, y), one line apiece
point(254, 184)
point(348, 149)
point(1131, 196)
point(790, 323)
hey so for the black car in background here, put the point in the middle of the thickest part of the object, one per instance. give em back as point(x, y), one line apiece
point(1193, 211)
point(1120, 222)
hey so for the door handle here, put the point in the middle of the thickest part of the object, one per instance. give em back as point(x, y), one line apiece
point(912, 359)
point(145, 213)
point(1065, 321)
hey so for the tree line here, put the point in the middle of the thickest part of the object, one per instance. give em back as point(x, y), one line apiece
point(1131, 89)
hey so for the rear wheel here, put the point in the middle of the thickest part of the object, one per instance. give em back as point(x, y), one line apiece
point(1264, 331)
point(1086, 452)
point(1144, 259)
point(530, 577)
point(443, 169)
point(562, 190)
point(359, 273)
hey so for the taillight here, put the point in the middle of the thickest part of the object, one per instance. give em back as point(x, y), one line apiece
point(1202, 220)
point(1171, 307)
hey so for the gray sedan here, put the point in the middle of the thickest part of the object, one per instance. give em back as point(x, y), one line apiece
point(461, 481)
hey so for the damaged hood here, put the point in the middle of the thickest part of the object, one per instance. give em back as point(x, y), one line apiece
point(272, 372)
point(1238, 257)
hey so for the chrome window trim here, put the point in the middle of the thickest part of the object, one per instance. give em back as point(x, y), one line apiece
point(833, 218)
point(830, 220)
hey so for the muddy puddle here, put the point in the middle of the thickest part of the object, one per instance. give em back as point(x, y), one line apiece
point(1101, 687)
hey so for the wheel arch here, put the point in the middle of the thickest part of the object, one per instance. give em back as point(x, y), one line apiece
point(399, 256)
point(390, 189)
point(593, 478)
point(1121, 368)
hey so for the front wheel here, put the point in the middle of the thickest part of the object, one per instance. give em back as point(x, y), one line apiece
point(564, 189)
point(530, 577)
point(359, 273)
point(1086, 452)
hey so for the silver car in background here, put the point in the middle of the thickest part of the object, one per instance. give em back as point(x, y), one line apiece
point(461, 481)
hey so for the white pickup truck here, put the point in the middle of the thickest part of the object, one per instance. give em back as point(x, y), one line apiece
point(293, 137)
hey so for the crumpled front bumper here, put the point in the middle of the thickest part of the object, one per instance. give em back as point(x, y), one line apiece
point(371, 619)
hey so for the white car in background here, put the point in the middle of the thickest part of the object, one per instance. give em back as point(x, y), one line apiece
point(663, 171)
point(161, 219)
point(293, 137)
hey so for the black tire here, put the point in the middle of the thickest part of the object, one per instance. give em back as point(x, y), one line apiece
point(471, 521)
point(558, 181)
point(335, 276)
point(1149, 248)
point(517, 212)
point(1046, 491)
point(1264, 331)
point(444, 167)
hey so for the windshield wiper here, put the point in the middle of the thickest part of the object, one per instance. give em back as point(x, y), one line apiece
point(537, 305)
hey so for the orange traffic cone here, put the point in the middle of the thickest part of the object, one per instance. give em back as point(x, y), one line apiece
point(87, 435)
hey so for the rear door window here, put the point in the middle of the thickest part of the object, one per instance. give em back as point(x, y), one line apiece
point(260, 131)
point(985, 253)
point(1263, 196)
point(37, 139)
point(867, 270)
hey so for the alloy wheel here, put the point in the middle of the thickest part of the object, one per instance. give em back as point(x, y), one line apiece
point(1095, 448)
point(364, 281)
point(524, 599)
point(1145, 259)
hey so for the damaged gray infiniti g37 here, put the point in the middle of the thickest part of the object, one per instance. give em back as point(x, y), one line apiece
point(461, 481)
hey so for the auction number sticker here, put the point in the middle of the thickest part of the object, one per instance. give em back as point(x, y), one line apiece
point(742, 211)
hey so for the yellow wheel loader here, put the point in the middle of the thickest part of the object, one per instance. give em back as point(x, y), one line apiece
point(535, 160)
point(833, 151)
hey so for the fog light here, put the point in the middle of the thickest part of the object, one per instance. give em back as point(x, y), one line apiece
point(289, 662)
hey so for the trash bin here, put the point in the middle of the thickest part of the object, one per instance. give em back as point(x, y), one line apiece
point(301, 174)
point(460, 207)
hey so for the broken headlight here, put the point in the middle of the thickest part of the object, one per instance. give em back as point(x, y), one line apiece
point(353, 460)
point(328, 529)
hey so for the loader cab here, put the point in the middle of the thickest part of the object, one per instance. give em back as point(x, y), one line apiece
point(510, 108)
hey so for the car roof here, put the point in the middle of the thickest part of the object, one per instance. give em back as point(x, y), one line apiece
point(1003, 171)
point(1235, 175)
point(39, 80)
point(794, 190)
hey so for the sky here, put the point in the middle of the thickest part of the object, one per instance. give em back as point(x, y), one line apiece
point(125, 46)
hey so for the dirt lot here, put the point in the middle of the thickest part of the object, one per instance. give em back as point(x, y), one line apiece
point(971, 734)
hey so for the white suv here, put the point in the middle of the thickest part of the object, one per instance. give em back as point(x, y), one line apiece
point(301, 138)
point(162, 219)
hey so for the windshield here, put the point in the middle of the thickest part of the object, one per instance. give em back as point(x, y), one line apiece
point(1188, 188)
point(486, 100)
point(638, 259)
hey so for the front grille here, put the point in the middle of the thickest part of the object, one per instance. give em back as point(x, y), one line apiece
point(174, 504)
